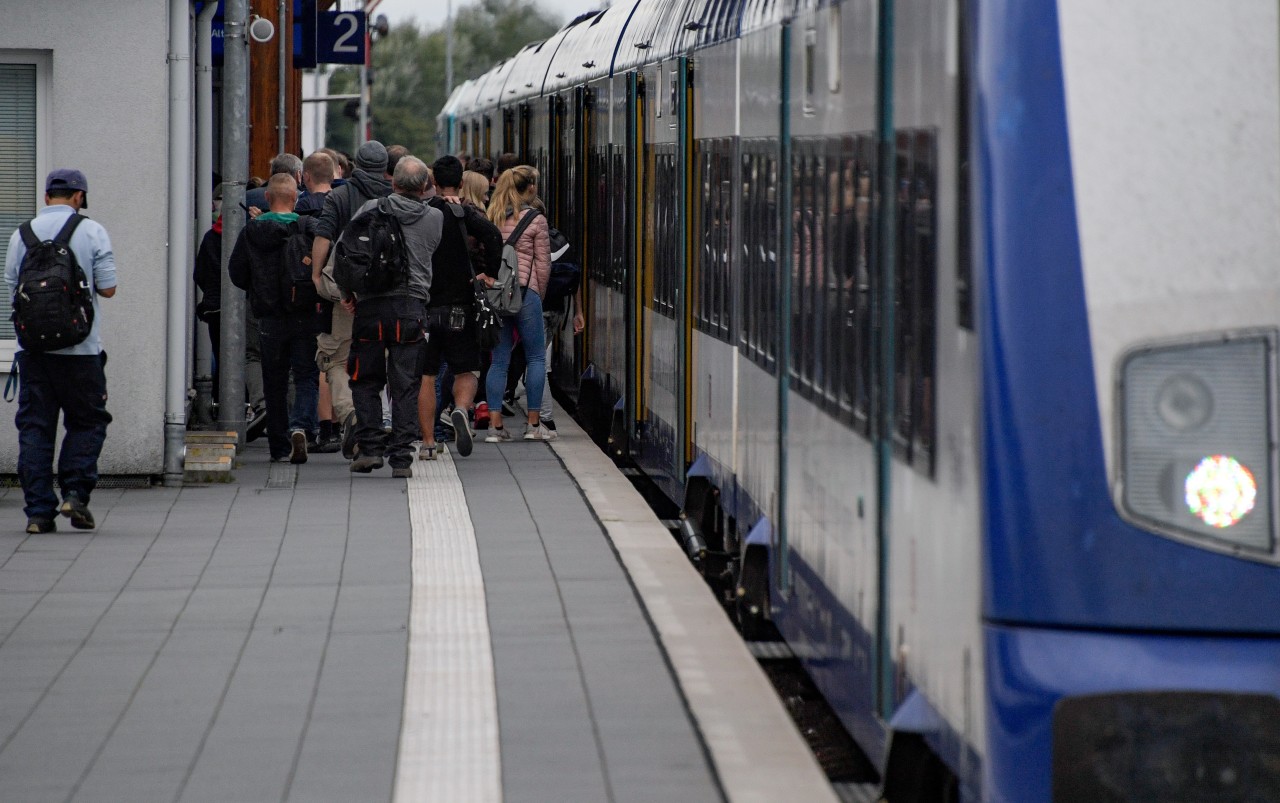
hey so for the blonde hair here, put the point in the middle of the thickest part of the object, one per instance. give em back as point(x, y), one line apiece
point(473, 189)
point(509, 195)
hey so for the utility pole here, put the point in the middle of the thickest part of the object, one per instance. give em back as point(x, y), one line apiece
point(235, 174)
point(448, 49)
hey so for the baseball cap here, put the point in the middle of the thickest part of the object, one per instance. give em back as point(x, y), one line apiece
point(65, 178)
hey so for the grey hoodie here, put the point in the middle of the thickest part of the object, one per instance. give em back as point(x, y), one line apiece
point(422, 226)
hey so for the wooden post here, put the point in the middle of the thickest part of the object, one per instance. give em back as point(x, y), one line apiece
point(264, 89)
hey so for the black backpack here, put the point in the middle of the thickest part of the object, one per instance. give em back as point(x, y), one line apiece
point(297, 291)
point(566, 273)
point(53, 305)
point(371, 256)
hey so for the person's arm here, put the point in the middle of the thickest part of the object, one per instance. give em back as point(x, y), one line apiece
point(104, 264)
point(12, 260)
point(541, 267)
point(239, 267)
point(319, 253)
point(490, 240)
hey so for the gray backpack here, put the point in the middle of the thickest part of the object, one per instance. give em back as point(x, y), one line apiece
point(504, 297)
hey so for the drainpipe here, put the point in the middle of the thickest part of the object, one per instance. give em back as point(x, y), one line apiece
point(282, 123)
point(204, 192)
point(235, 174)
point(175, 416)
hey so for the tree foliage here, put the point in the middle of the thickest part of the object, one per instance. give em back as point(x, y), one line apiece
point(409, 69)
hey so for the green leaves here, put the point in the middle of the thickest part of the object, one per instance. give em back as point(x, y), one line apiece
point(409, 69)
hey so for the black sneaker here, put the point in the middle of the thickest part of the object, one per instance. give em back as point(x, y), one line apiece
point(76, 509)
point(298, 439)
point(365, 465)
point(509, 408)
point(401, 473)
point(39, 524)
point(349, 436)
point(327, 445)
point(461, 432)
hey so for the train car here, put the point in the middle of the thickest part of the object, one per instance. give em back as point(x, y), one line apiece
point(951, 327)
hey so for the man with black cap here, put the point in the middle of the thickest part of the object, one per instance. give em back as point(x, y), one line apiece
point(69, 380)
point(366, 183)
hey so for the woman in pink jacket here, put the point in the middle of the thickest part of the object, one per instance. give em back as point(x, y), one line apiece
point(512, 201)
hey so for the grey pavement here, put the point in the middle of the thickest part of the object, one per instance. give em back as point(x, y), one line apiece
point(248, 642)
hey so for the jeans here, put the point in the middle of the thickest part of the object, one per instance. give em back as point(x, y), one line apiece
point(289, 345)
point(528, 322)
point(76, 386)
point(386, 349)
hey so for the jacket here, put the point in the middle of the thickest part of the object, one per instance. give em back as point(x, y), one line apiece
point(533, 250)
point(451, 265)
point(341, 204)
point(208, 272)
point(421, 226)
point(257, 261)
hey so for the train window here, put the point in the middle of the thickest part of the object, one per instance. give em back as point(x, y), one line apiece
point(667, 236)
point(862, 281)
point(713, 236)
point(964, 243)
point(760, 251)
point(810, 68)
point(915, 305)
point(833, 49)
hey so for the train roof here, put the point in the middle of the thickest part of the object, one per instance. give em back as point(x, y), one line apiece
point(757, 14)
point(454, 103)
point(588, 48)
point(621, 37)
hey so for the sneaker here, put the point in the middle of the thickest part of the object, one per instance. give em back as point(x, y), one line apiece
point(39, 524)
point(401, 473)
point(428, 451)
point(327, 445)
point(509, 408)
point(497, 435)
point(538, 432)
point(446, 416)
point(349, 436)
point(365, 465)
point(482, 416)
point(76, 509)
point(462, 432)
point(257, 423)
point(298, 439)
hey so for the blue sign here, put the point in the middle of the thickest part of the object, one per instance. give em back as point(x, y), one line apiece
point(340, 37)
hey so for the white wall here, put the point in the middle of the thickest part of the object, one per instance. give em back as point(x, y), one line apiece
point(108, 116)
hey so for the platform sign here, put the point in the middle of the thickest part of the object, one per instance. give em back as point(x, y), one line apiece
point(340, 37)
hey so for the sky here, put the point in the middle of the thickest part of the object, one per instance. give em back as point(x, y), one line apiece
point(431, 12)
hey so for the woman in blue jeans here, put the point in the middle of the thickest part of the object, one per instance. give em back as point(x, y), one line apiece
point(512, 201)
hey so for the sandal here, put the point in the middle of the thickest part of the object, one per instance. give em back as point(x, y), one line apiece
point(428, 451)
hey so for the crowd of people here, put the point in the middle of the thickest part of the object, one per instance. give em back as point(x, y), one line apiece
point(385, 373)
point(371, 320)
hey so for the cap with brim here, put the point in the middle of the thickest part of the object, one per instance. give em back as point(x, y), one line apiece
point(65, 178)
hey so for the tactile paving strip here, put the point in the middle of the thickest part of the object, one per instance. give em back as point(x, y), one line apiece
point(449, 747)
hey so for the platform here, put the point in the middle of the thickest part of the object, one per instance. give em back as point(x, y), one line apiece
point(515, 625)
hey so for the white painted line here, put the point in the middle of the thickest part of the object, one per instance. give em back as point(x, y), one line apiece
point(758, 753)
point(449, 749)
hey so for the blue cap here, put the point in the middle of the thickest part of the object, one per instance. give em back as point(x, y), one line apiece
point(65, 178)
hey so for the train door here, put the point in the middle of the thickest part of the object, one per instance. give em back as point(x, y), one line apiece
point(637, 149)
point(508, 130)
point(487, 144)
point(522, 148)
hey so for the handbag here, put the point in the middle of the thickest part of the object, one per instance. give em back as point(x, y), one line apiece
point(488, 323)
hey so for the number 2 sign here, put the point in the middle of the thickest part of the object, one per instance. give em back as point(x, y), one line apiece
point(340, 37)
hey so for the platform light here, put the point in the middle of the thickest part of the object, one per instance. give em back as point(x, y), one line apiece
point(1196, 432)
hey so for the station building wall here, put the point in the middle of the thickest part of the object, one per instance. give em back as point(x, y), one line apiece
point(100, 105)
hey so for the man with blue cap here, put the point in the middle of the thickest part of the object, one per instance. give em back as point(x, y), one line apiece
point(60, 255)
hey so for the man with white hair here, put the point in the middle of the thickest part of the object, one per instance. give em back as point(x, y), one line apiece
point(388, 331)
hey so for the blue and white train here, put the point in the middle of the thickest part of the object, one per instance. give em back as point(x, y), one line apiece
point(952, 325)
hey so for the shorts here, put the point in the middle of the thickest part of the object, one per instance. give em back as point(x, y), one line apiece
point(458, 348)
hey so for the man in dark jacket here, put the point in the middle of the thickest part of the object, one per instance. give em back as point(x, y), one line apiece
point(388, 329)
point(259, 266)
point(367, 182)
point(450, 317)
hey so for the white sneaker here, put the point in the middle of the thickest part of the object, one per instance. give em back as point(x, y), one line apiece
point(538, 433)
point(498, 436)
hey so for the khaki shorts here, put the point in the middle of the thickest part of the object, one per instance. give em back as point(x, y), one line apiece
point(335, 347)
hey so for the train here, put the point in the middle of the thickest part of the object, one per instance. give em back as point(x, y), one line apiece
point(951, 328)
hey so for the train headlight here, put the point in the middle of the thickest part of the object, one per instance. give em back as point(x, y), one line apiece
point(1197, 426)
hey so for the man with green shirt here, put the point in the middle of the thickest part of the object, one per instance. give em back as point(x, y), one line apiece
point(286, 313)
